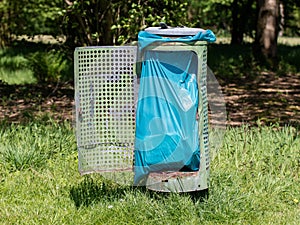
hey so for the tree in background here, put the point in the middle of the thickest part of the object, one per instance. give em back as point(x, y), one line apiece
point(214, 15)
point(260, 19)
point(103, 22)
point(26, 17)
point(290, 17)
point(108, 22)
point(115, 22)
point(274, 17)
point(225, 17)
point(5, 23)
point(241, 11)
point(267, 30)
point(141, 14)
point(88, 22)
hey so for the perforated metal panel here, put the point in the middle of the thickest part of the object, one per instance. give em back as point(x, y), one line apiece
point(105, 95)
point(204, 134)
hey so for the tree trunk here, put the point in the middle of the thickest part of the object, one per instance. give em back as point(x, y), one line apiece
point(107, 38)
point(240, 15)
point(267, 30)
point(236, 33)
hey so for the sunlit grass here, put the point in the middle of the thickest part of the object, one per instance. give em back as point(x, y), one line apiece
point(29, 63)
point(14, 69)
point(22, 76)
point(290, 41)
point(254, 180)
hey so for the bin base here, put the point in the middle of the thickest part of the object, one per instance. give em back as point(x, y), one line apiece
point(177, 181)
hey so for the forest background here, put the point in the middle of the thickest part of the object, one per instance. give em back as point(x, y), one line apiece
point(256, 58)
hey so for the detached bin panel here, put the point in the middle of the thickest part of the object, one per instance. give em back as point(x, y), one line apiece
point(105, 92)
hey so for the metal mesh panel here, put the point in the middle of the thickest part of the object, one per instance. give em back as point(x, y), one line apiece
point(105, 87)
point(204, 131)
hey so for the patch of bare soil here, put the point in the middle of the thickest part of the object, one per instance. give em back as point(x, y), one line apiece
point(267, 99)
point(24, 103)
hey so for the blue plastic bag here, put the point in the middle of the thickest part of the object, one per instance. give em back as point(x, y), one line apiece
point(166, 126)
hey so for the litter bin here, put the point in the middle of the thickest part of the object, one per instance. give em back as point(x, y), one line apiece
point(171, 138)
point(148, 128)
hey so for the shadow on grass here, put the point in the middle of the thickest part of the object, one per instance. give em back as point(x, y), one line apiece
point(92, 191)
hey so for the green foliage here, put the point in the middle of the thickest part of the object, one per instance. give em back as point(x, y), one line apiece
point(213, 14)
point(14, 67)
point(4, 28)
point(27, 62)
point(291, 18)
point(225, 17)
point(233, 62)
point(139, 15)
point(88, 22)
point(30, 17)
point(106, 22)
point(47, 66)
point(103, 22)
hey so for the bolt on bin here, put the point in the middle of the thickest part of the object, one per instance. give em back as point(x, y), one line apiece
point(147, 125)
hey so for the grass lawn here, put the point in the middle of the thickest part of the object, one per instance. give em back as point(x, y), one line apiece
point(254, 180)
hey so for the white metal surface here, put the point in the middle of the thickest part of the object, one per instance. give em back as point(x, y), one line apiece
point(105, 87)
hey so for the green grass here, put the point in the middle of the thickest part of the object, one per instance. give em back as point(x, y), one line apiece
point(254, 180)
point(29, 63)
point(14, 69)
point(14, 64)
point(290, 41)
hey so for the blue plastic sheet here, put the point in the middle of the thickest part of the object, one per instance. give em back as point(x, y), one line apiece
point(167, 136)
point(146, 38)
